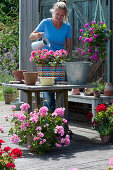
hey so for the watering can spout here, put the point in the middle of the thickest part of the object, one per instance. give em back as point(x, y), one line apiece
point(39, 44)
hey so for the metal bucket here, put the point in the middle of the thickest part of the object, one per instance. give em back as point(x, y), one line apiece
point(77, 72)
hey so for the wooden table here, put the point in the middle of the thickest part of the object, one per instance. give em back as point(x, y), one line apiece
point(61, 91)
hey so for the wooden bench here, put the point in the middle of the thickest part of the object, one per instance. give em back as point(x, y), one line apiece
point(94, 101)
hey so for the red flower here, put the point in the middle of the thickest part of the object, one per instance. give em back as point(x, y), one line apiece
point(101, 107)
point(12, 165)
point(112, 113)
point(89, 115)
point(112, 101)
point(1, 152)
point(6, 149)
point(94, 123)
point(16, 153)
point(1, 141)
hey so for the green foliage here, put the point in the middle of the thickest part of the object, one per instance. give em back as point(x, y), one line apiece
point(101, 86)
point(9, 35)
point(9, 90)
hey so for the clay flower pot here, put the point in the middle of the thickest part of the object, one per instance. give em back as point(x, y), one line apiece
point(30, 77)
point(96, 93)
point(18, 74)
point(108, 91)
point(104, 139)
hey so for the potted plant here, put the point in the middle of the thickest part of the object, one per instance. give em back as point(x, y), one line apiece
point(94, 39)
point(50, 63)
point(10, 94)
point(103, 121)
point(41, 129)
point(8, 155)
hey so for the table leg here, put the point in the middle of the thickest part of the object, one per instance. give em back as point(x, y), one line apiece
point(29, 100)
point(38, 99)
point(59, 103)
point(94, 105)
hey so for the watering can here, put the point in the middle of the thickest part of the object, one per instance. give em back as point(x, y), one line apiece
point(39, 44)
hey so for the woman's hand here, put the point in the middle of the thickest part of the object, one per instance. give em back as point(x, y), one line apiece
point(36, 35)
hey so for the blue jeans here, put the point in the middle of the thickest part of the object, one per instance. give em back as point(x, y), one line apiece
point(49, 100)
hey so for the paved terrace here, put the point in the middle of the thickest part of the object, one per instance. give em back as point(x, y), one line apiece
point(85, 151)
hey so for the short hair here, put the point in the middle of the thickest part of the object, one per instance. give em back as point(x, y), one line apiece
point(60, 5)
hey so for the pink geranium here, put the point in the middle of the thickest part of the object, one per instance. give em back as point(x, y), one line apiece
point(59, 112)
point(111, 162)
point(24, 107)
point(14, 138)
point(50, 58)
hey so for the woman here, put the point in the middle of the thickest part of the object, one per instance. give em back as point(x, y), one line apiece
point(58, 33)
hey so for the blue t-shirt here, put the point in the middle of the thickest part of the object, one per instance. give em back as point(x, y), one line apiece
point(56, 37)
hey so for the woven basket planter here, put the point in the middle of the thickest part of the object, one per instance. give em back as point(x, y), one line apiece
point(50, 71)
point(8, 98)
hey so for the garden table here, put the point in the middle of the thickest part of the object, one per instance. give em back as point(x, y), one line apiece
point(61, 91)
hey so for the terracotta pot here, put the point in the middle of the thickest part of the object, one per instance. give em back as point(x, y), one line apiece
point(104, 139)
point(18, 74)
point(108, 91)
point(30, 77)
point(75, 91)
point(96, 93)
point(29, 141)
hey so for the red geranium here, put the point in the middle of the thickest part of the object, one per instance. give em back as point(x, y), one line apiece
point(94, 123)
point(12, 165)
point(16, 153)
point(6, 149)
point(1, 152)
point(1, 141)
point(101, 107)
point(89, 115)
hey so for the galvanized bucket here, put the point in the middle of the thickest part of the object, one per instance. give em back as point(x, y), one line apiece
point(77, 72)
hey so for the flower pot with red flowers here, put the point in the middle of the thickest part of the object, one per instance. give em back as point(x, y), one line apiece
point(8, 156)
point(103, 122)
point(50, 63)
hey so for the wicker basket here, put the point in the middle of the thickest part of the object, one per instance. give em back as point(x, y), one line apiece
point(49, 71)
point(8, 98)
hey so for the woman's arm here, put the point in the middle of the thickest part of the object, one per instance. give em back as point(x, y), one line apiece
point(69, 45)
point(36, 35)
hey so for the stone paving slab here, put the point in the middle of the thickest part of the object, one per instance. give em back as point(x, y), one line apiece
point(85, 151)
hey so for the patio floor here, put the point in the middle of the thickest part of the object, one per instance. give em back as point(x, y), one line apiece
point(85, 151)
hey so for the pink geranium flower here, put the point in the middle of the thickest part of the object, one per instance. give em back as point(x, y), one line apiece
point(14, 138)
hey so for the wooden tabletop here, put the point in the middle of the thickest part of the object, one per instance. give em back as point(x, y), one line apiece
point(39, 87)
